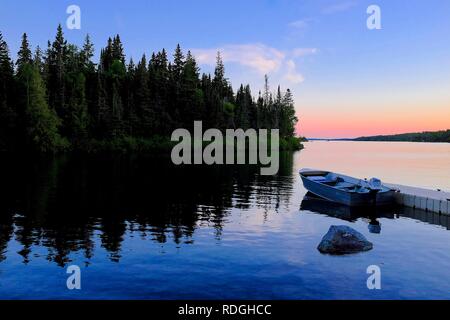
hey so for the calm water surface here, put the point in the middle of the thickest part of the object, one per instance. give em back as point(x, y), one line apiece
point(141, 228)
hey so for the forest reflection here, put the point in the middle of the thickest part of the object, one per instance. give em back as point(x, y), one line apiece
point(62, 204)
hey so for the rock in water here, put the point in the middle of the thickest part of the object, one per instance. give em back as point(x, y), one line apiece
point(342, 240)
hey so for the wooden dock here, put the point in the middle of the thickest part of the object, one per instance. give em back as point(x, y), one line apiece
point(424, 199)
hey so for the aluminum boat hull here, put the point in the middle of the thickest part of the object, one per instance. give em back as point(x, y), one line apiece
point(345, 196)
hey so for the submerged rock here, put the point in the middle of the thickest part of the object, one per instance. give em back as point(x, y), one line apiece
point(342, 240)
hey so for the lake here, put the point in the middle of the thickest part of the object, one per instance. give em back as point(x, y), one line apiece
point(141, 228)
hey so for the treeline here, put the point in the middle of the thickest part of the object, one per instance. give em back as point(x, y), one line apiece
point(427, 136)
point(60, 99)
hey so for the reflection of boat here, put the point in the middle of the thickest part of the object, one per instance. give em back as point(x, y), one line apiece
point(374, 226)
point(346, 190)
point(319, 205)
point(336, 210)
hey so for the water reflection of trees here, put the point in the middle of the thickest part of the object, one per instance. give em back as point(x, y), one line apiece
point(64, 204)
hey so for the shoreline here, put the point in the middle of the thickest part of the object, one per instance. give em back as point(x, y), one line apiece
point(390, 141)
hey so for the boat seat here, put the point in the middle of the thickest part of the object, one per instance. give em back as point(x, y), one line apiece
point(322, 179)
point(343, 185)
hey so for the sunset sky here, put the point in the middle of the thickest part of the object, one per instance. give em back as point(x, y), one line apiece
point(347, 80)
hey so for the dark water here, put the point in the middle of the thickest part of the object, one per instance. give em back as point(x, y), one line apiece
point(141, 228)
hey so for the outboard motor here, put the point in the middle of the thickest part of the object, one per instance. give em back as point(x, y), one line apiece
point(375, 186)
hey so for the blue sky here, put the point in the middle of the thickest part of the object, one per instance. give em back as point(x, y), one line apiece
point(347, 80)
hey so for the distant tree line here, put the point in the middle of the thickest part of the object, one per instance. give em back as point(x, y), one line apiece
point(436, 136)
point(60, 99)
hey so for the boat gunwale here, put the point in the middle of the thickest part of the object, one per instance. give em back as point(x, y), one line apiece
point(313, 172)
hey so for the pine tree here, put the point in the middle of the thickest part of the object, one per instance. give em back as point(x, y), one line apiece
point(101, 111)
point(106, 56)
point(178, 64)
point(142, 101)
point(219, 72)
point(207, 90)
point(191, 70)
point(41, 122)
point(253, 110)
point(277, 109)
point(56, 68)
point(262, 114)
point(159, 78)
point(78, 117)
point(90, 74)
point(116, 77)
point(86, 55)
point(117, 127)
point(220, 88)
point(8, 115)
point(244, 103)
point(38, 60)
point(24, 55)
point(131, 120)
point(288, 120)
point(191, 96)
point(117, 52)
point(112, 76)
point(267, 95)
point(24, 58)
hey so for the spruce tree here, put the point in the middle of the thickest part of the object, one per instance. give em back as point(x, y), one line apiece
point(178, 64)
point(106, 56)
point(86, 55)
point(78, 117)
point(191, 96)
point(101, 115)
point(252, 108)
point(117, 52)
point(131, 120)
point(41, 122)
point(24, 55)
point(143, 105)
point(219, 72)
point(289, 119)
point(56, 66)
point(159, 78)
point(38, 60)
point(243, 106)
point(8, 115)
point(218, 93)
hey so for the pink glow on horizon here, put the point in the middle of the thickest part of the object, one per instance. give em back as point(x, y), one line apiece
point(344, 126)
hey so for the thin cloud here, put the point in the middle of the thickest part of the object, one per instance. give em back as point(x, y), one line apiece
point(259, 58)
point(292, 75)
point(339, 7)
point(299, 27)
point(299, 24)
point(301, 52)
